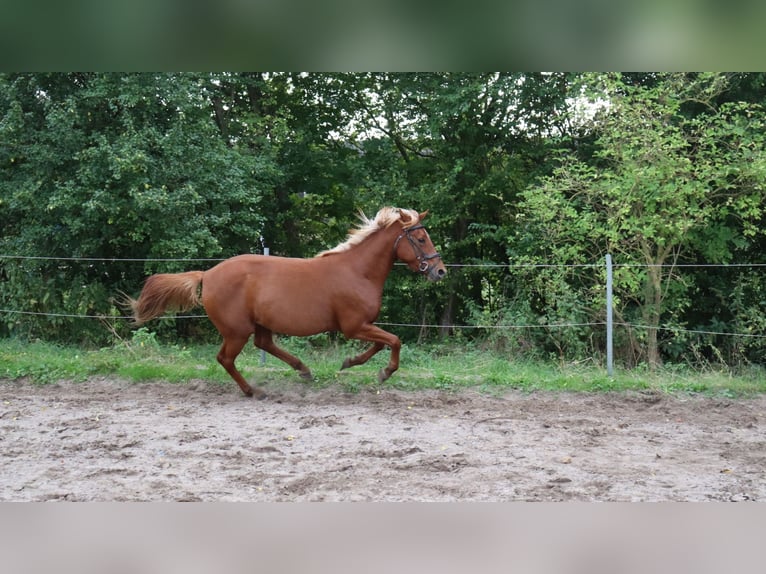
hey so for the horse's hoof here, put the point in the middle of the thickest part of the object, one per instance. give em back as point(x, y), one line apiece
point(258, 395)
point(346, 364)
point(382, 375)
point(307, 376)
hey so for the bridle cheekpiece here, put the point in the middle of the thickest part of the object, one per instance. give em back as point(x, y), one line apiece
point(420, 255)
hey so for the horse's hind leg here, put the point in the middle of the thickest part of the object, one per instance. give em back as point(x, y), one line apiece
point(230, 349)
point(264, 340)
point(363, 357)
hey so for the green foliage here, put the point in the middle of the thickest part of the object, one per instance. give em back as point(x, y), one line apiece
point(661, 188)
point(113, 166)
point(516, 168)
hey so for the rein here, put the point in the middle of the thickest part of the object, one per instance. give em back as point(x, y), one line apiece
point(419, 253)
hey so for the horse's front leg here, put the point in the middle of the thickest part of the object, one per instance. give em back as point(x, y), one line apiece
point(379, 338)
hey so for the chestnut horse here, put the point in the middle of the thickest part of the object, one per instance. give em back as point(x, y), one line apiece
point(338, 290)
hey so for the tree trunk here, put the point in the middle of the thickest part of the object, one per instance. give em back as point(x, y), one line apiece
point(220, 118)
point(448, 316)
point(652, 311)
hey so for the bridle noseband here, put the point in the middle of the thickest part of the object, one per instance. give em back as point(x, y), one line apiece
point(420, 255)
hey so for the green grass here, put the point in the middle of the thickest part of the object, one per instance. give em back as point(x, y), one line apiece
point(442, 367)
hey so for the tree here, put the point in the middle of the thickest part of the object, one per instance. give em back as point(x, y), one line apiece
point(115, 166)
point(663, 187)
point(462, 145)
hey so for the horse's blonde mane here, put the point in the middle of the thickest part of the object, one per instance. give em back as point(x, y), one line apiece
point(386, 217)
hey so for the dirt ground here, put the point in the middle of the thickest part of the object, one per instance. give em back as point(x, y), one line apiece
point(111, 440)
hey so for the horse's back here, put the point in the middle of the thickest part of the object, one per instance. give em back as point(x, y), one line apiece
point(281, 293)
point(242, 268)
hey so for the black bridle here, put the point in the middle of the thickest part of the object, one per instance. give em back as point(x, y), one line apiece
point(420, 255)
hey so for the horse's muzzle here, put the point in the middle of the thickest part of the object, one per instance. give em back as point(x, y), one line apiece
point(436, 272)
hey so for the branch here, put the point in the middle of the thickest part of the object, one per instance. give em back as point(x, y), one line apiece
point(399, 142)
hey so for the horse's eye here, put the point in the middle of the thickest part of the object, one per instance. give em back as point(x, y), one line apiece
point(421, 240)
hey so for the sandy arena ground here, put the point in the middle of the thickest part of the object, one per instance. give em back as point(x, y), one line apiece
point(111, 440)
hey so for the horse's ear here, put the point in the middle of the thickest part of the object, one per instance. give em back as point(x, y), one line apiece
point(423, 215)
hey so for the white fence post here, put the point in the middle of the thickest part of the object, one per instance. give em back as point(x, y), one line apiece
point(609, 324)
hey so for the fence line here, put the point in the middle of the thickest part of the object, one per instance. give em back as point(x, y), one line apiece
point(455, 265)
point(105, 259)
point(594, 324)
point(675, 265)
point(530, 326)
point(75, 316)
point(417, 325)
point(696, 331)
point(609, 264)
point(218, 260)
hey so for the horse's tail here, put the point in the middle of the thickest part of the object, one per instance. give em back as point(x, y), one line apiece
point(178, 291)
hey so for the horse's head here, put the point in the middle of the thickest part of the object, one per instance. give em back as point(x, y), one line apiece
point(418, 252)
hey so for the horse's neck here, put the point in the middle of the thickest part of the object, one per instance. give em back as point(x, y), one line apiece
point(374, 257)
